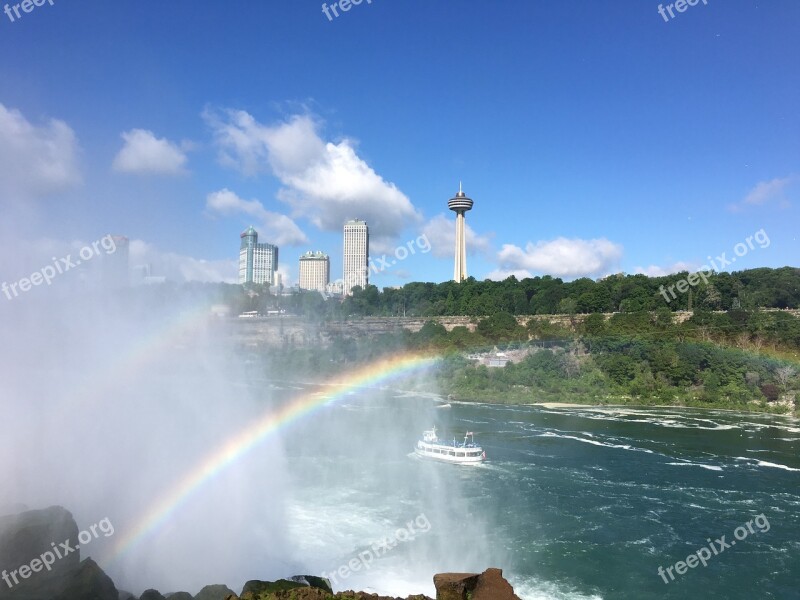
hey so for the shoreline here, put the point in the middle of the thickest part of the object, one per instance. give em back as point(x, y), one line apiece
point(565, 405)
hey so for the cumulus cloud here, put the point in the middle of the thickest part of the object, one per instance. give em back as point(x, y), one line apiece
point(658, 271)
point(35, 160)
point(561, 257)
point(143, 153)
point(274, 227)
point(324, 182)
point(765, 192)
point(179, 267)
point(441, 232)
point(502, 275)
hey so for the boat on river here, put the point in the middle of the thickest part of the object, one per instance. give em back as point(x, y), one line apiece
point(462, 453)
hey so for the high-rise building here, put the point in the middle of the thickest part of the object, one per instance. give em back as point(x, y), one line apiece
point(460, 204)
point(315, 271)
point(356, 255)
point(258, 263)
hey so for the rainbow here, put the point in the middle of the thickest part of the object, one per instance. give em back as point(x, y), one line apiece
point(248, 438)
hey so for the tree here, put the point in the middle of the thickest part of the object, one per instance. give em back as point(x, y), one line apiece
point(713, 299)
point(594, 325)
point(501, 326)
point(784, 375)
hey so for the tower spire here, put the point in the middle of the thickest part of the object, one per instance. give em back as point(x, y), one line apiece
point(460, 204)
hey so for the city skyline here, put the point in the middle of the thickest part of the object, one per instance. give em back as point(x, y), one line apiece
point(578, 175)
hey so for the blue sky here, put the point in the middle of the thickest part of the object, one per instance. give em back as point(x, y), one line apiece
point(594, 137)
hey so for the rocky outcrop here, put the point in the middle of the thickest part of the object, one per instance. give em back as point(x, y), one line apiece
point(214, 592)
point(40, 559)
point(28, 539)
point(489, 585)
point(313, 581)
point(255, 590)
point(311, 593)
point(454, 586)
point(88, 582)
point(29, 535)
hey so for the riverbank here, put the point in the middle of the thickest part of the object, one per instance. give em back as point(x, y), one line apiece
point(754, 406)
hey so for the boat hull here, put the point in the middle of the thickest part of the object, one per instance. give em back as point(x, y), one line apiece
point(449, 454)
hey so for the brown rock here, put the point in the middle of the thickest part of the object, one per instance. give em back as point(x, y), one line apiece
point(454, 586)
point(489, 585)
point(493, 586)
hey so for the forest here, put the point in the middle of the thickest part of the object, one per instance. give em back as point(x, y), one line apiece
point(731, 341)
point(747, 290)
point(744, 360)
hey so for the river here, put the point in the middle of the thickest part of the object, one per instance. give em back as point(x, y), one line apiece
point(571, 503)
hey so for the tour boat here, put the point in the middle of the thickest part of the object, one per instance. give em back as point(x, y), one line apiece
point(465, 453)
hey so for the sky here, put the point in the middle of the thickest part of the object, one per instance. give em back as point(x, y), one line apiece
point(593, 137)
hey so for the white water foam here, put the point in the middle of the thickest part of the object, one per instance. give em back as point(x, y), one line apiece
point(596, 442)
point(691, 464)
point(763, 463)
point(536, 589)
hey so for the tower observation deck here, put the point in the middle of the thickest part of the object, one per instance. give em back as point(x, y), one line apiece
point(460, 204)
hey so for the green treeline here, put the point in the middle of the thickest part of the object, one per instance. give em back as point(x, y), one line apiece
point(737, 359)
point(755, 288)
point(747, 290)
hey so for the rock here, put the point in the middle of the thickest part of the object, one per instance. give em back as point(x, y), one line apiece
point(301, 593)
point(151, 595)
point(313, 581)
point(493, 586)
point(214, 592)
point(179, 596)
point(32, 535)
point(489, 585)
point(255, 589)
point(88, 582)
point(351, 595)
point(454, 586)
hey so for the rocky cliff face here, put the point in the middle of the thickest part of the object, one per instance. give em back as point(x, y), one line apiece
point(29, 540)
point(39, 559)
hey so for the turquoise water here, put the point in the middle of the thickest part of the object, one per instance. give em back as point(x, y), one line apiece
point(572, 503)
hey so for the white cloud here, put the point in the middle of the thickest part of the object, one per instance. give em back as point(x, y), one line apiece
point(324, 182)
point(441, 232)
point(561, 257)
point(275, 228)
point(502, 275)
point(35, 160)
point(657, 271)
point(144, 153)
point(178, 267)
point(765, 192)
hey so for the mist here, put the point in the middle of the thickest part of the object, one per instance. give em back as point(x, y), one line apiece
point(111, 397)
